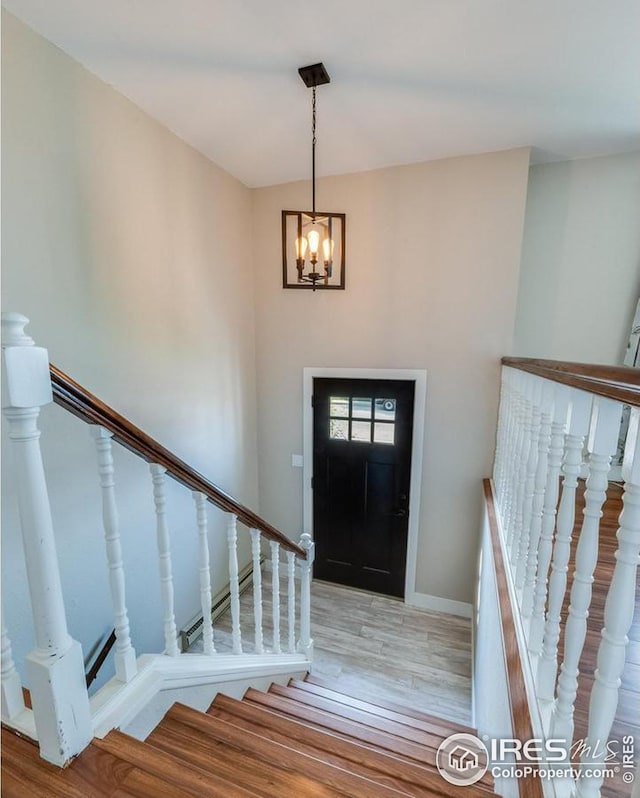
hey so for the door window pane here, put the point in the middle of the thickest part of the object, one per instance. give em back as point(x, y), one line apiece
point(339, 406)
point(385, 409)
point(384, 433)
point(339, 429)
point(361, 431)
point(361, 408)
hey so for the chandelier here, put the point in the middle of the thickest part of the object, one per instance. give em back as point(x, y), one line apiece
point(313, 242)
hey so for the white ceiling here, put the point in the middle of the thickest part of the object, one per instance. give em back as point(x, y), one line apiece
point(411, 80)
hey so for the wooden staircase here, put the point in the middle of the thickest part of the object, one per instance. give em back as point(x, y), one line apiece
point(305, 739)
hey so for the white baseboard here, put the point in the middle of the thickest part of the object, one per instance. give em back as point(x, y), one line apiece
point(437, 604)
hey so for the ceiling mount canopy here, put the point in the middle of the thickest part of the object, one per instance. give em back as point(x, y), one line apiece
point(311, 237)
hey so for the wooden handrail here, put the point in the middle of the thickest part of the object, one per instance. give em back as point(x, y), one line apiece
point(620, 383)
point(82, 403)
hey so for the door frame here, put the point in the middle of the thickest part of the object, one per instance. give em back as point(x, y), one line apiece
point(419, 376)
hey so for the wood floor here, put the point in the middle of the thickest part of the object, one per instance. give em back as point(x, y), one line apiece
point(377, 645)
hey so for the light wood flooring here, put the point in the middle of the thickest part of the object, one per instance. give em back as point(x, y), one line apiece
point(376, 645)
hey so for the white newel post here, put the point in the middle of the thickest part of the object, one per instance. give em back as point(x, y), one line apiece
point(305, 645)
point(125, 655)
point(275, 594)
point(234, 585)
point(618, 615)
point(552, 490)
point(164, 560)
point(291, 606)
point(204, 571)
point(257, 590)
point(602, 444)
point(578, 426)
point(55, 668)
point(12, 698)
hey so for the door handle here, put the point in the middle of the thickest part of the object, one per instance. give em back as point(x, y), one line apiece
point(398, 513)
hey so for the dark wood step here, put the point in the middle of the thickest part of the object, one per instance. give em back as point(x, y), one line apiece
point(26, 775)
point(358, 757)
point(210, 755)
point(452, 726)
point(436, 726)
point(286, 753)
point(118, 766)
point(325, 720)
point(165, 766)
point(353, 730)
point(366, 718)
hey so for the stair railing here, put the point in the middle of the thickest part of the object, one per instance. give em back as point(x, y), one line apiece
point(560, 422)
point(61, 719)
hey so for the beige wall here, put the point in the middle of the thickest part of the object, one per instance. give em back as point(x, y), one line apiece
point(580, 275)
point(432, 271)
point(128, 251)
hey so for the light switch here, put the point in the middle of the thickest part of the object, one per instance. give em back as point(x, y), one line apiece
point(297, 461)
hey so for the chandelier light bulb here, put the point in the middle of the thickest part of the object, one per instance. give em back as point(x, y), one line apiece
point(313, 237)
point(327, 250)
point(301, 247)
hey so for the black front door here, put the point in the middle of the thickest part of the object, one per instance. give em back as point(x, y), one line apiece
point(361, 472)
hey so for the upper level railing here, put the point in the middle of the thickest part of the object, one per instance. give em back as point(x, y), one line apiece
point(63, 720)
point(560, 422)
point(619, 383)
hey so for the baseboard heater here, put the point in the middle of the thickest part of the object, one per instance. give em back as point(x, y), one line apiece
point(221, 602)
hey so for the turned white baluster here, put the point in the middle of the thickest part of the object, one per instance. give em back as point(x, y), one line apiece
point(602, 444)
point(305, 645)
point(505, 441)
point(578, 426)
point(204, 571)
point(275, 594)
point(291, 606)
point(501, 437)
point(510, 442)
point(125, 655)
point(521, 473)
point(257, 590)
point(164, 559)
point(535, 393)
point(537, 504)
point(234, 586)
point(55, 668)
point(12, 697)
point(618, 615)
point(515, 460)
point(552, 490)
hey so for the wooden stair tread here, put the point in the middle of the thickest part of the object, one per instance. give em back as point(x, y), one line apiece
point(287, 753)
point(169, 768)
point(354, 730)
point(452, 727)
point(435, 726)
point(25, 774)
point(427, 739)
point(214, 756)
point(306, 739)
point(356, 756)
point(97, 772)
